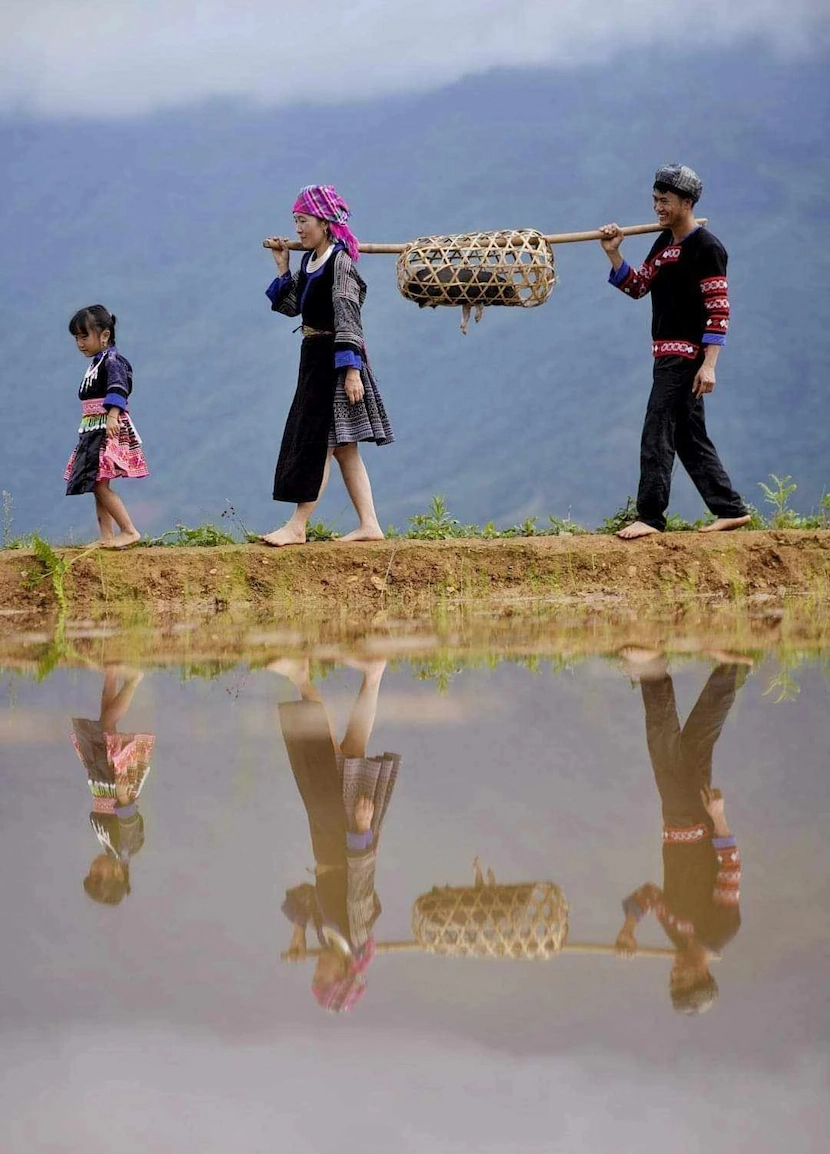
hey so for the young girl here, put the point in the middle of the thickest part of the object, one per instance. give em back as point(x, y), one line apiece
point(109, 445)
point(337, 403)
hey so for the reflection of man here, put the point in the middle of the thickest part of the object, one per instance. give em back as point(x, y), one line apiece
point(346, 795)
point(116, 766)
point(698, 906)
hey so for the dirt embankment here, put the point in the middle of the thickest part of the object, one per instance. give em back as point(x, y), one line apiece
point(411, 578)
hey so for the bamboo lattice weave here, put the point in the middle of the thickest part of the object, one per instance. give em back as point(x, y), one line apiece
point(512, 267)
point(527, 920)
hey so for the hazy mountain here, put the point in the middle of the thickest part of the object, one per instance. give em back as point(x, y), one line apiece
point(535, 411)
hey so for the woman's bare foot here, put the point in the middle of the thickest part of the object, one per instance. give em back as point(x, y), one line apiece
point(724, 524)
point(122, 540)
point(290, 534)
point(635, 530)
point(364, 533)
point(296, 669)
point(369, 667)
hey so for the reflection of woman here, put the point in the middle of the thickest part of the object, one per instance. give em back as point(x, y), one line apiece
point(698, 906)
point(346, 795)
point(116, 765)
point(337, 403)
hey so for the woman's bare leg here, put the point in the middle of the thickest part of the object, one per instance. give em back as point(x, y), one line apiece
point(359, 488)
point(293, 531)
point(364, 710)
point(114, 507)
point(296, 669)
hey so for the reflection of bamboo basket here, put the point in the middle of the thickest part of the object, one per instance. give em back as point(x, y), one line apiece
point(526, 920)
point(512, 267)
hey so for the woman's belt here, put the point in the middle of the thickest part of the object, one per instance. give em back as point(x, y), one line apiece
point(308, 331)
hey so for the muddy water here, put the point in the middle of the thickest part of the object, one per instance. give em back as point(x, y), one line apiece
point(169, 1021)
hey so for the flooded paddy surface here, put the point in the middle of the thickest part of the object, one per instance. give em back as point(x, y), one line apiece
point(166, 829)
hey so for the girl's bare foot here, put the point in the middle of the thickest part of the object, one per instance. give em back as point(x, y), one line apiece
point(635, 530)
point(724, 524)
point(122, 540)
point(364, 533)
point(290, 534)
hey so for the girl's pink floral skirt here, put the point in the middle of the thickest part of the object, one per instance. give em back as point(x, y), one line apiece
point(98, 457)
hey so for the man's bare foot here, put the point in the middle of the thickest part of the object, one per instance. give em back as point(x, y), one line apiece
point(729, 657)
point(289, 534)
point(122, 540)
point(635, 530)
point(644, 664)
point(724, 524)
point(364, 533)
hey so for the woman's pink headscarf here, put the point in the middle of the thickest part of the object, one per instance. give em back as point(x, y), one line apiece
point(341, 996)
point(324, 202)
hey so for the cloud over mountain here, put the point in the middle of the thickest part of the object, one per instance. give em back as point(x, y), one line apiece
point(78, 57)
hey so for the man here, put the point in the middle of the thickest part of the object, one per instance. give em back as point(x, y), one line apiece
point(685, 272)
point(698, 905)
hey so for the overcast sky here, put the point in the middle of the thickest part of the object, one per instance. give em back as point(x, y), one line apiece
point(65, 57)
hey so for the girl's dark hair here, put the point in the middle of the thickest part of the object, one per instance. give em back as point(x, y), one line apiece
point(93, 317)
point(108, 890)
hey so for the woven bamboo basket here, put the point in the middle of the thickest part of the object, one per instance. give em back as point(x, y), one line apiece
point(513, 267)
point(524, 920)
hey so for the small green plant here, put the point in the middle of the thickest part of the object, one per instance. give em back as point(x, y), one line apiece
point(54, 567)
point(623, 516)
point(229, 513)
point(564, 527)
point(320, 531)
point(778, 496)
point(8, 518)
point(437, 524)
point(206, 535)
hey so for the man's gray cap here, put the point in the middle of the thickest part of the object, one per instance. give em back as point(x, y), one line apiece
point(681, 178)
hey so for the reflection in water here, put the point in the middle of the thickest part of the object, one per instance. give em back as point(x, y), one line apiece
point(117, 765)
point(346, 795)
point(545, 772)
point(488, 920)
point(698, 906)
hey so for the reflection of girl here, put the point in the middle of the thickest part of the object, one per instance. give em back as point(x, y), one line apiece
point(117, 765)
point(346, 795)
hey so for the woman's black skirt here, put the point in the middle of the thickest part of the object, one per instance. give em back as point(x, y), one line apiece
point(302, 458)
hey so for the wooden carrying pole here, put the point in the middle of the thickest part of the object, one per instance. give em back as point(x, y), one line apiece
point(553, 238)
point(410, 947)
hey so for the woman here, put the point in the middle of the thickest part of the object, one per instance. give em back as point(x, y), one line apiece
point(346, 795)
point(337, 403)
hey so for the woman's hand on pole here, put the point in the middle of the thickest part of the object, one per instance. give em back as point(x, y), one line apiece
point(353, 386)
point(279, 250)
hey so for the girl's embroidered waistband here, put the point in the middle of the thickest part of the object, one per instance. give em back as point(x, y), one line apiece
point(685, 836)
point(93, 408)
point(308, 331)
